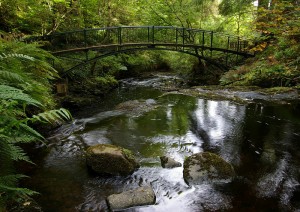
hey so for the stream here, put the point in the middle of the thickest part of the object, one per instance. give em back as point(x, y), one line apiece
point(260, 140)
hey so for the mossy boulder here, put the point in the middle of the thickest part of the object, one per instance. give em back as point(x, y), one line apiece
point(137, 107)
point(207, 167)
point(137, 197)
point(110, 159)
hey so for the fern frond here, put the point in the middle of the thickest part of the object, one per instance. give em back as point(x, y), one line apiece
point(14, 55)
point(8, 92)
point(65, 113)
point(53, 115)
point(32, 132)
point(8, 184)
point(11, 179)
point(11, 76)
point(14, 152)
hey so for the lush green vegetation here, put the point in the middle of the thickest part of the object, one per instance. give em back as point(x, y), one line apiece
point(25, 95)
point(25, 74)
point(277, 62)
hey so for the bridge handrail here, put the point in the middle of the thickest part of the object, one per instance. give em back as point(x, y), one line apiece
point(143, 27)
point(180, 37)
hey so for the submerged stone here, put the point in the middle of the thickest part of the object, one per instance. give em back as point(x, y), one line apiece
point(137, 107)
point(138, 197)
point(110, 159)
point(167, 162)
point(207, 167)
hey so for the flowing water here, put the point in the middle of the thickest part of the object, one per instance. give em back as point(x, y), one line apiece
point(261, 141)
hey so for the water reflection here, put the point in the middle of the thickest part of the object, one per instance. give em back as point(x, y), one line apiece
point(261, 141)
point(220, 125)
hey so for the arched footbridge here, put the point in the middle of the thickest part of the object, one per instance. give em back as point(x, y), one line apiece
point(87, 45)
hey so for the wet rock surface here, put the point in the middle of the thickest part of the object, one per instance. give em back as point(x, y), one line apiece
point(167, 162)
point(244, 94)
point(206, 167)
point(138, 197)
point(110, 159)
point(137, 107)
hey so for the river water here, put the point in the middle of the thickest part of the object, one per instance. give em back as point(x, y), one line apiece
point(261, 141)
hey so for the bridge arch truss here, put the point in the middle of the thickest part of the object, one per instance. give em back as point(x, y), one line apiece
point(216, 48)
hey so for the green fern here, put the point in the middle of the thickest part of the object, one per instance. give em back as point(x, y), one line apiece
point(10, 76)
point(14, 152)
point(31, 132)
point(14, 55)
point(53, 115)
point(7, 186)
point(8, 92)
point(25, 67)
point(24, 81)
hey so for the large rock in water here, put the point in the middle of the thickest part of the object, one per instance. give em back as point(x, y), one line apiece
point(110, 159)
point(138, 197)
point(167, 162)
point(206, 167)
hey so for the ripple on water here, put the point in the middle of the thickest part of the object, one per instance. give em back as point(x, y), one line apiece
point(170, 189)
point(181, 127)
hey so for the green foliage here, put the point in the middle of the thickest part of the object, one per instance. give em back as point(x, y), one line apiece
point(24, 67)
point(52, 116)
point(24, 81)
point(8, 92)
point(9, 190)
point(182, 63)
point(278, 64)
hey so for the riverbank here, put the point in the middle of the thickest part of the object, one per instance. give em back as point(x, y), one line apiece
point(245, 94)
point(250, 137)
point(167, 82)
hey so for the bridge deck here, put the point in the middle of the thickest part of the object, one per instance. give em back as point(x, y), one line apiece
point(151, 45)
point(207, 45)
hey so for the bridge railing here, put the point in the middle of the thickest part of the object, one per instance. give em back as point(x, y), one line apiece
point(175, 37)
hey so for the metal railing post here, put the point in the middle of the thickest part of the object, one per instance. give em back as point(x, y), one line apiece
point(120, 35)
point(183, 36)
point(237, 49)
point(153, 34)
point(85, 45)
point(85, 38)
point(211, 42)
point(228, 43)
point(176, 38)
point(148, 34)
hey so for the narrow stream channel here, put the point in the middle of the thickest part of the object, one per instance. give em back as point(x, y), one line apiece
point(261, 141)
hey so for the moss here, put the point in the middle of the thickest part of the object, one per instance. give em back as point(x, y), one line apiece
point(110, 159)
point(276, 90)
point(206, 166)
point(128, 154)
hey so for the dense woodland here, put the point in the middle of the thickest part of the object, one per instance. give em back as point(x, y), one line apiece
point(26, 76)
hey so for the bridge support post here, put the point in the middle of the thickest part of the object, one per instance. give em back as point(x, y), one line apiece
point(228, 43)
point(85, 45)
point(120, 35)
point(183, 38)
point(211, 42)
point(148, 29)
point(153, 40)
point(237, 49)
point(85, 38)
point(176, 38)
